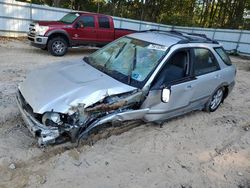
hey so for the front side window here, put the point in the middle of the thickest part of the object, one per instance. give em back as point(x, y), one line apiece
point(175, 70)
point(103, 22)
point(223, 55)
point(69, 18)
point(87, 21)
point(128, 60)
point(204, 62)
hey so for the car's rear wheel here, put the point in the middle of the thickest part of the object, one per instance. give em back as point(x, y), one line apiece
point(57, 46)
point(215, 101)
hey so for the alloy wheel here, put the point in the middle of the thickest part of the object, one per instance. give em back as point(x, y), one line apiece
point(58, 47)
point(216, 99)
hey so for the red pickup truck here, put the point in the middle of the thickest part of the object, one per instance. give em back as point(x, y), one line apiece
point(74, 29)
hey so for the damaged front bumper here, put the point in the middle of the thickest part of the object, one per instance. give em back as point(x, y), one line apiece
point(44, 134)
point(80, 124)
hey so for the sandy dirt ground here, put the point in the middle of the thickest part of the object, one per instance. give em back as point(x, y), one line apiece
point(196, 150)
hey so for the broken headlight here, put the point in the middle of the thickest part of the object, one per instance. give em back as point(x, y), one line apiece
point(51, 119)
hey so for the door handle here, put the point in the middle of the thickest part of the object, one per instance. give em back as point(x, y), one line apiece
point(217, 76)
point(189, 87)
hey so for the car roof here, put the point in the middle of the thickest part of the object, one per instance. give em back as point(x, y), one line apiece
point(169, 38)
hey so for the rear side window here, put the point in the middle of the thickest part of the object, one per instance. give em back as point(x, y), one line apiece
point(87, 21)
point(223, 55)
point(204, 62)
point(103, 22)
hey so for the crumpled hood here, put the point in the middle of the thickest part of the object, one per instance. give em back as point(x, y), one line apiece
point(66, 84)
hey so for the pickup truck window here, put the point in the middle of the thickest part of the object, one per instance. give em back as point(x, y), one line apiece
point(103, 22)
point(69, 18)
point(87, 21)
point(128, 60)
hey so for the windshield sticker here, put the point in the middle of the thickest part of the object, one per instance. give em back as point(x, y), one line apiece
point(77, 14)
point(136, 76)
point(157, 47)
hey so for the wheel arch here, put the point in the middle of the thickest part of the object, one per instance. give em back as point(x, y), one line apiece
point(225, 85)
point(59, 33)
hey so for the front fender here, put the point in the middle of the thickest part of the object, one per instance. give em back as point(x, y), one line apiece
point(61, 32)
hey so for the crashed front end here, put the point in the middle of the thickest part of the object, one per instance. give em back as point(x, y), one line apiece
point(53, 127)
point(44, 134)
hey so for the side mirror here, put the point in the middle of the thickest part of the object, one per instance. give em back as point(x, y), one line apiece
point(77, 25)
point(165, 95)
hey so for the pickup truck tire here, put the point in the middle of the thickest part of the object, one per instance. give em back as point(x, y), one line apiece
point(57, 46)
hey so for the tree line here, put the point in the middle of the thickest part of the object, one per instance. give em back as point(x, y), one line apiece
point(199, 13)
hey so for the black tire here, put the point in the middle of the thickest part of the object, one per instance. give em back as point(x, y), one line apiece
point(57, 46)
point(215, 100)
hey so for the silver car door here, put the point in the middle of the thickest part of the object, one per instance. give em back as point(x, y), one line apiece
point(207, 71)
point(179, 101)
point(175, 75)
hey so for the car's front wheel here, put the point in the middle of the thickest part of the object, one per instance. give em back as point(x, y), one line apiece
point(215, 101)
point(57, 46)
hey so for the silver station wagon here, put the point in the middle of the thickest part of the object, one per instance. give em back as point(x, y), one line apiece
point(151, 76)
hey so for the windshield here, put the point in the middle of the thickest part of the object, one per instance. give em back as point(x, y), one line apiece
point(69, 18)
point(128, 60)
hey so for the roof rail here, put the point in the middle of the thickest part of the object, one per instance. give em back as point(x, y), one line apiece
point(194, 34)
point(165, 32)
point(185, 35)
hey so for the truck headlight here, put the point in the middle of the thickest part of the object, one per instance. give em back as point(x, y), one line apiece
point(41, 30)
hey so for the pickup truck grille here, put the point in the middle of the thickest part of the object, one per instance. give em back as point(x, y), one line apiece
point(32, 30)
